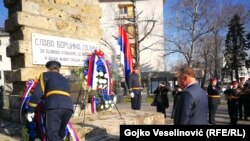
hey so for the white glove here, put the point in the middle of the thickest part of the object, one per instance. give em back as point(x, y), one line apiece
point(30, 116)
point(132, 95)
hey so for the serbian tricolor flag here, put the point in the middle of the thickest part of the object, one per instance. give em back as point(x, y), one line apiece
point(126, 53)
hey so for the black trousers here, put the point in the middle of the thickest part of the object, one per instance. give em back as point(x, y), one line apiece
point(136, 102)
point(212, 107)
point(233, 107)
point(160, 107)
point(56, 122)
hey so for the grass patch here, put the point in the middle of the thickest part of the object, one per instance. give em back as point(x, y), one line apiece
point(127, 99)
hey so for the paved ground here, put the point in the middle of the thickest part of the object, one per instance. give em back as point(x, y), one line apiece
point(9, 131)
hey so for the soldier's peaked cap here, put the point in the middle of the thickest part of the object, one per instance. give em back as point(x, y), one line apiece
point(234, 83)
point(53, 63)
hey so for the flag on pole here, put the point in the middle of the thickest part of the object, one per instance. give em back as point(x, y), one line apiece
point(126, 53)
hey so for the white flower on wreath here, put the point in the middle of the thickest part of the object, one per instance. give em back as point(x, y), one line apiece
point(112, 105)
point(106, 102)
point(106, 75)
point(106, 106)
point(101, 107)
point(104, 81)
point(101, 74)
point(110, 101)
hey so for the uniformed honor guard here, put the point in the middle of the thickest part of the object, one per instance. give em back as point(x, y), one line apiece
point(53, 88)
point(134, 87)
point(232, 95)
point(244, 100)
point(213, 99)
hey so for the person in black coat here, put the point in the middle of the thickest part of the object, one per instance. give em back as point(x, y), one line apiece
point(175, 93)
point(53, 88)
point(213, 92)
point(161, 98)
point(192, 103)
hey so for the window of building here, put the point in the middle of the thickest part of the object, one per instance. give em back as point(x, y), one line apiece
point(126, 10)
point(130, 28)
point(1, 58)
point(0, 42)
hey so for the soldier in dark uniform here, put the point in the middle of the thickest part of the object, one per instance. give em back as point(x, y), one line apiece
point(244, 98)
point(54, 89)
point(134, 87)
point(232, 95)
point(213, 99)
point(241, 98)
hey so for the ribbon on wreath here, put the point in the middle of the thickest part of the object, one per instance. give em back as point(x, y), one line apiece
point(25, 96)
point(72, 132)
point(40, 120)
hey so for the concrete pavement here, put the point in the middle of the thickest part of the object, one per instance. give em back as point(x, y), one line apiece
point(10, 131)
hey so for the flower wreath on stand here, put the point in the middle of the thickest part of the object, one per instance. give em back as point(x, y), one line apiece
point(98, 77)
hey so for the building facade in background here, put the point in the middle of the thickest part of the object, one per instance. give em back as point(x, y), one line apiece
point(143, 18)
point(5, 63)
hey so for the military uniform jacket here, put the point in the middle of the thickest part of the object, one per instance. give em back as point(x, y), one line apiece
point(134, 83)
point(54, 89)
point(232, 95)
point(213, 94)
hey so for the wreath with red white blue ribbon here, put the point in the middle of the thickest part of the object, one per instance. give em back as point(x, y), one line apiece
point(98, 77)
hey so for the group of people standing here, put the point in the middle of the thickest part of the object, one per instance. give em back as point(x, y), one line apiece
point(193, 104)
point(237, 96)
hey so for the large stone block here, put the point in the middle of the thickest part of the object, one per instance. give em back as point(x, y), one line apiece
point(14, 101)
point(17, 61)
point(15, 115)
point(18, 47)
point(18, 87)
point(81, 34)
point(31, 7)
point(24, 74)
point(5, 114)
point(6, 101)
point(51, 24)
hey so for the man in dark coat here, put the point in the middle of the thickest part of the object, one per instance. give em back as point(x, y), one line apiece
point(53, 88)
point(192, 103)
point(134, 87)
point(213, 99)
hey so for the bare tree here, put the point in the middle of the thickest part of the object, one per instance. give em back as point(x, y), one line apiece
point(192, 24)
point(209, 47)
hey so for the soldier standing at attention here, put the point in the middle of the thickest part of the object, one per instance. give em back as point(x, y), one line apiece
point(213, 100)
point(54, 89)
point(232, 95)
point(134, 87)
point(242, 99)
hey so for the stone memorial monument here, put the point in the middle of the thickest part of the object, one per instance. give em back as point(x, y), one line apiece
point(42, 30)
